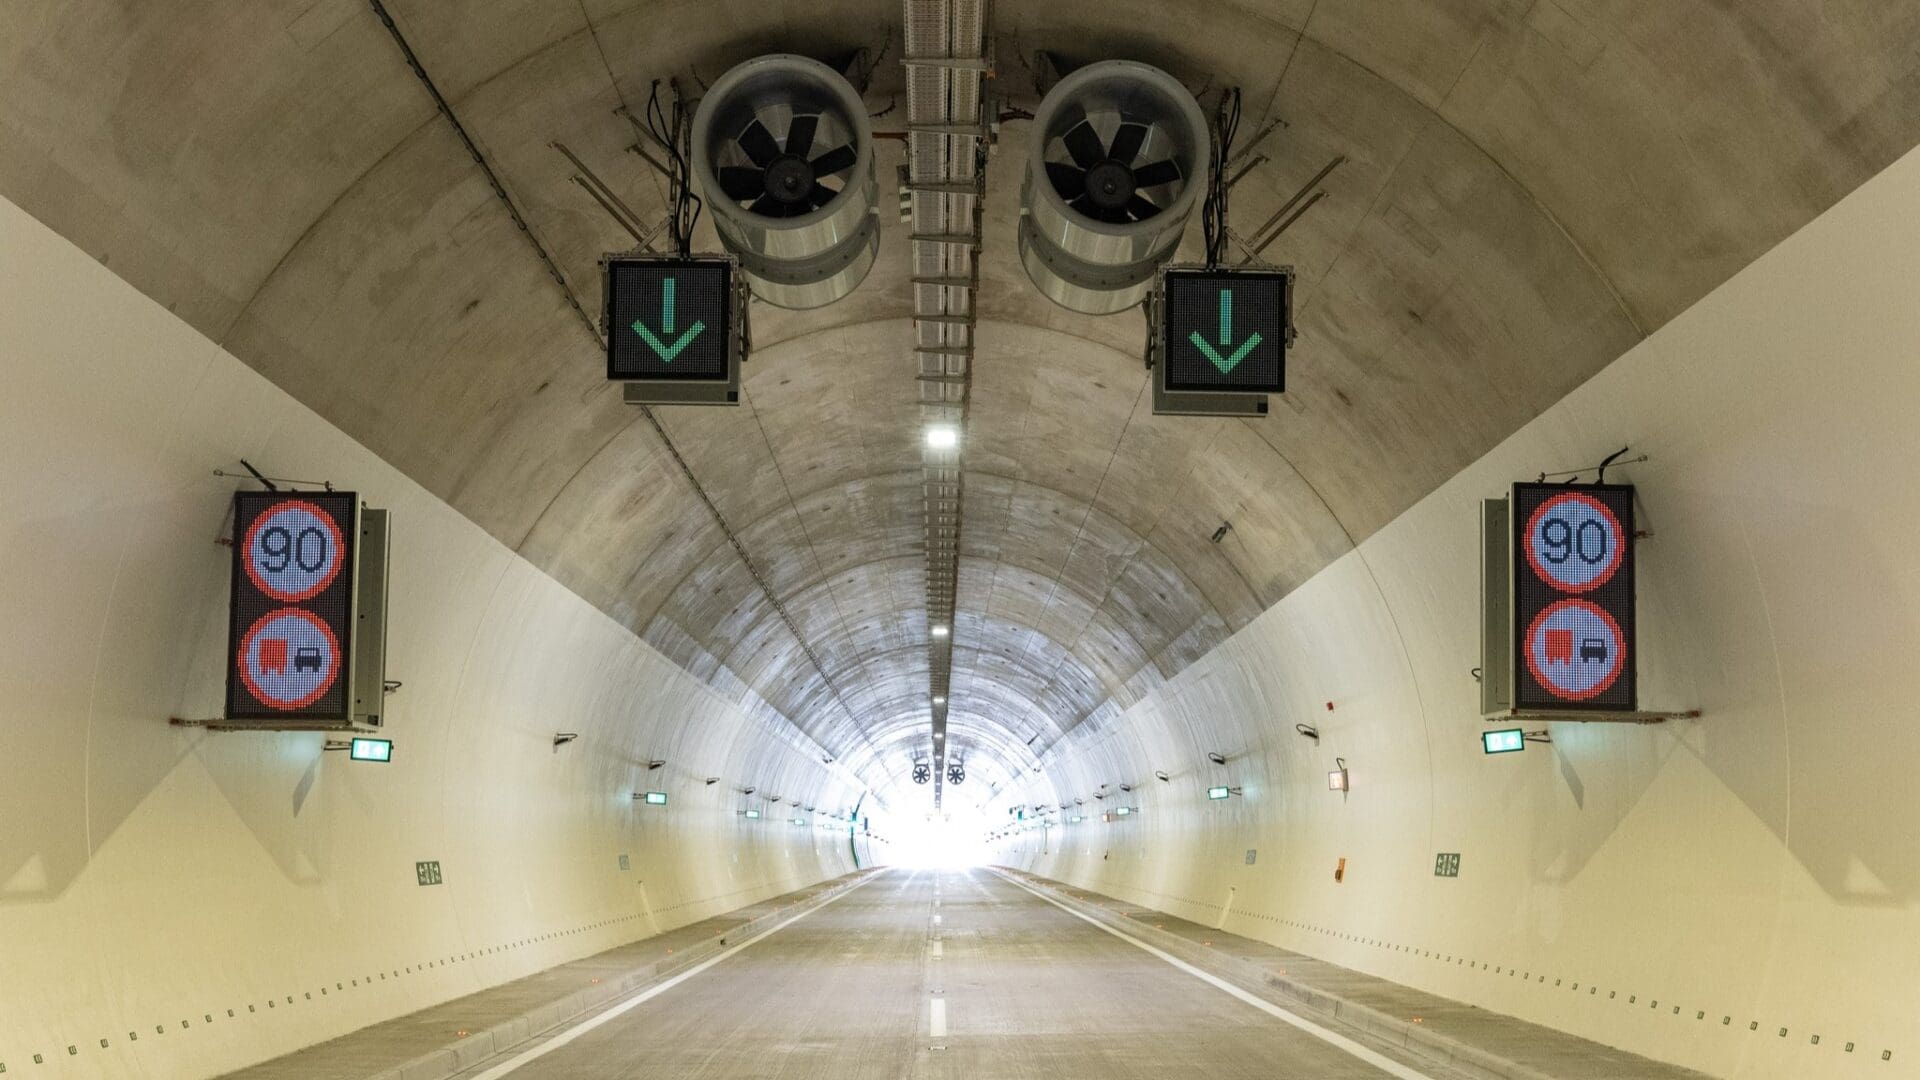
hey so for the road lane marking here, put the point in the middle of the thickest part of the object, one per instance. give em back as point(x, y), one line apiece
point(512, 1064)
point(937, 1018)
point(1327, 1035)
point(938, 948)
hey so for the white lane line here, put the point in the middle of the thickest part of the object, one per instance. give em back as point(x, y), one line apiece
point(514, 1063)
point(939, 948)
point(936, 920)
point(1379, 1061)
point(937, 1018)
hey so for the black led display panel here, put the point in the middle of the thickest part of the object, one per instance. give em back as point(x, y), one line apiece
point(1225, 331)
point(1573, 617)
point(291, 619)
point(669, 319)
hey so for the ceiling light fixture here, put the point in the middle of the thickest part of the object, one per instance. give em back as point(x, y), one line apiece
point(942, 437)
point(940, 631)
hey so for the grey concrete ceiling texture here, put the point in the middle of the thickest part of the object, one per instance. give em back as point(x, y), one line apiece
point(1528, 188)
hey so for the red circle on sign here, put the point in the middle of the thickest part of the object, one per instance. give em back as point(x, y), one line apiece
point(246, 669)
point(1533, 557)
point(339, 551)
point(1618, 648)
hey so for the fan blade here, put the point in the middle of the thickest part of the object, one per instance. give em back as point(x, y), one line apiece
point(766, 206)
point(1127, 142)
point(837, 160)
point(1084, 145)
point(740, 182)
point(820, 196)
point(1083, 206)
point(800, 135)
point(1140, 208)
point(1160, 172)
point(1066, 179)
point(1115, 216)
point(759, 144)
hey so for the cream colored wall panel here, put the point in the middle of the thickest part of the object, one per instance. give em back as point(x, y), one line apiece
point(153, 878)
point(1755, 869)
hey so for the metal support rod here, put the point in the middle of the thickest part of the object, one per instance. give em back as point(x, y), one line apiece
point(641, 151)
point(1262, 245)
point(1249, 167)
point(1310, 185)
point(270, 481)
point(639, 240)
point(602, 193)
point(1276, 125)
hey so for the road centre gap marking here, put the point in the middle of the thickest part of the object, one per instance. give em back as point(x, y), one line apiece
point(937, 1018)
point(1327, 1035)
point(513, 1064)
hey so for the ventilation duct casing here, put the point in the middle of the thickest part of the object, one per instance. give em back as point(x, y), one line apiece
point(1118, 162)
point(783, 154)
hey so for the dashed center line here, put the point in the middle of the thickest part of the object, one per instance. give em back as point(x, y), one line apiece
point(937, 1018)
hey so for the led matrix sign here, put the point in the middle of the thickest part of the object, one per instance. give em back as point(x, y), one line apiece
point(1573, 613)
point(1226, 331)
point(291, 615)
point(669, 319)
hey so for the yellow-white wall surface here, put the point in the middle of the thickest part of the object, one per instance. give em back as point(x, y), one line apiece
point(1740, 893)
point(228, 897)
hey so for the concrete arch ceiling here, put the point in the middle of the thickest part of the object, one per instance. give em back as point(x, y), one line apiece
point(1528, 188)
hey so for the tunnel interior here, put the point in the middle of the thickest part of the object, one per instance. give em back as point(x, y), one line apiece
point(1225, 670)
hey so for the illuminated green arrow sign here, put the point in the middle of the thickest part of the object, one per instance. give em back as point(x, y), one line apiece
point(668, 352)
point(1228, 362)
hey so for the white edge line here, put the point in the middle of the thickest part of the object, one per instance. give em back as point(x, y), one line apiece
point(1334, 1038)
point(511, 1064)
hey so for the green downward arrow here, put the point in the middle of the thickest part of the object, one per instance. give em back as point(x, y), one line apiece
point(661, 348)
point(1232, 360)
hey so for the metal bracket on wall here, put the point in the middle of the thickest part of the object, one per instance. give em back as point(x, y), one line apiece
point(1571, 717)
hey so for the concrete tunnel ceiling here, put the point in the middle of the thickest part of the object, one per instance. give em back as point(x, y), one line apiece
point(1528, 189)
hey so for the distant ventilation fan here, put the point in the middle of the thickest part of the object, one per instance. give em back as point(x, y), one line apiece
point(1108, 180)
point(783, 152)
point(956, 773)
point(781, 176)
point(921, 773)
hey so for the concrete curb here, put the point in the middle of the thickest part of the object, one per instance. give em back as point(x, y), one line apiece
point(1321, 1005)
point(444, 1062)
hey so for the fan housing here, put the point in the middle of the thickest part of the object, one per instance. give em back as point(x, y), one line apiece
point(783, 154)
point(1118, 163)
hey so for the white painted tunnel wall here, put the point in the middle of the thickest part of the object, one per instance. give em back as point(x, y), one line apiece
point(152, 876)
point(1758, 865)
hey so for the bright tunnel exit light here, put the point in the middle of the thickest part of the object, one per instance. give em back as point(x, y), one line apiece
point(942, 437)
point(371, 750)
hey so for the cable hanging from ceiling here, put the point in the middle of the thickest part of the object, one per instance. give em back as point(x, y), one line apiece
point(1213, 213)
point(669, 127)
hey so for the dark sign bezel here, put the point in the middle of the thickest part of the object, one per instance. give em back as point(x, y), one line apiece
point(1618, 596)
point(609, 267)
point(348, 582)
point(1174, 385)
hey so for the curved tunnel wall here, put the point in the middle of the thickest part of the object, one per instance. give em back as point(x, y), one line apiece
point(1739, 894)
point(154, 878)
